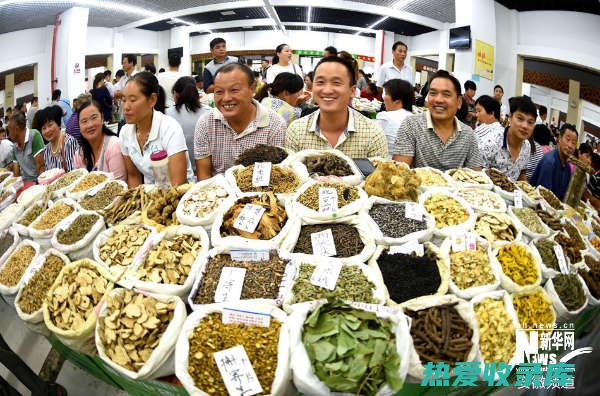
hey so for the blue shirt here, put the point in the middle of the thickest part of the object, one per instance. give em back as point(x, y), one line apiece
point(551, 174)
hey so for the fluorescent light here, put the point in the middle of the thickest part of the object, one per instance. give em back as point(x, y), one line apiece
point(308, 17)
point(230, 12)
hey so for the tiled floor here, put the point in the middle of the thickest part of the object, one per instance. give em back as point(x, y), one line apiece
point(33, 348)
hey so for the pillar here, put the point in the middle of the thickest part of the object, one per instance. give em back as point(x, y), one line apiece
point(519, 76)
point(109, 64)
point(35, 80)
point(9, 91)
point(117, 56)
point(138, 63)
point(574, 108)
point(180, 37)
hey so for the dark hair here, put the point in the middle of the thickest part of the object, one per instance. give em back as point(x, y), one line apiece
point(120, 73)
point(543, 110)
point(522, 104)
point(86, 149)
point(34, 99)
point(348, 56)
point(470, 85)
point(150, 68)
point(596, 161)
point(228, 68)
point(198, 78)
point(55, 95)
point(48, 114)
point(215, 41)
point(447, 76)
point(174, 60)
point(584, 148)
point(541, 134)
point(399, 89)
point(499, 86)
point(107, 73)
point(188, 94)
point(161, 70)
point(149, 85)
point(97, 78)
point(490, 105)
point(566, 126)
point(342, 61)
point(130, 58)
point(278, 49)
point(20, 120)
point(289, 82)
point(332, 50)
point(397, 43)
point(310, 75)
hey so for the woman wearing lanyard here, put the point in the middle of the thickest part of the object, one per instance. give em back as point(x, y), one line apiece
point(100, 147)
point(61, 148)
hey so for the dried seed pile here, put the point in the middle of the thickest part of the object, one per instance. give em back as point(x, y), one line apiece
point(345, 236)
point(34, 292)
point(31, 214)
point(261, 153)
point(170, 261)
point(79, 228)
point(497, 337)
point(64, 181)
point(283, 180)
point(103, 197)
point(88, 181)
point(392, 221)
point(16, 265)
point(52, 216)
point(310, 196)
point(118, 250)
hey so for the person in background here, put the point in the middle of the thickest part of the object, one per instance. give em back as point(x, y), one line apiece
point(540, 145)
point(334, 124)
point(109, 85)
point(592, 192)
point(128, 62)
point(509, 151)
point(467, 112)
point(543, 114)
point(148, 131)
point(436, 138)
point(498, 94)
point(218, 50)
point(186, 111)
point(363, 81)
point(33, 108)
point(348, 57)
point(584, 154)
point(553, 171)
point(161, 70)
point(6, 150)
point(199, 84)
point(101, 94)
point(397, 68)
point(28, 158)
point(237, 123)
point(330, 51)
point(149, 67)
point(100, 147)
point(283, 96)
point(118, 76)
point(264, 66)
point(282, 62)
point(167, 79)
point(399, 98)
point(371, 92)
point(72, 127)
point(64, 105)
point(487, 111)
point(61, 148)
point(21, 107)
point(308, 81)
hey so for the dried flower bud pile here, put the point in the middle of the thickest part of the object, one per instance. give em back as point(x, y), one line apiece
point(518, 264)
point(446, 210)
point(34, 291)
point(170, 261)
point(16, 265)
point(497, 337)
point(345, 194)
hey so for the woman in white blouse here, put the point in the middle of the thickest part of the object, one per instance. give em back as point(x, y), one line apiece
point(148, 131)
point(282, 62)
point(398, 96)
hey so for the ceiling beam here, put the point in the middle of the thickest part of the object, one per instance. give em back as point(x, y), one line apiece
point(332, 26)
point(273, 14)
point(231, 24)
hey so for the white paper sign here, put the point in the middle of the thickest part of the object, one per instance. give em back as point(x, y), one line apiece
point(249, 255)
point(237, 372)
point(378, 309)
point(233, 315)
point(458, 243)
point(249, 218)
point(413, 211)
point(231, 283)
point(560, 256)
point(518, 198)
point(471, 241)
point(328, 200)
point(323, 243)
point(408, 248)
point(286, 280)
point(326, 274)
point(261, 175)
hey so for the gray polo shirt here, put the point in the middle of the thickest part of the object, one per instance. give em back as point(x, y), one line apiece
point(33, 145)
point(417, 139)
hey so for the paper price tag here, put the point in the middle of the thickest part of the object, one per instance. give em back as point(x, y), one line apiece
point(261, 175)
point(237, 372)
point(458, 243)
point(413, 211)
point(378, 309)
point(230, 284)
point(249, 218)
point(326, 274)
point(560, 256)
point(249, 255)
point(323, 243)
point(286, 280)
point(408, 248)
point(518, 198)
point(328, 200)
point(232, 315)
point(471, 241)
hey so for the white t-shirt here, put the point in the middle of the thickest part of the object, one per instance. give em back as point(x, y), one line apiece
point(165, 134)
point(390, 123)
point(388, 71)
point(274, 70)
point(110, 87)
point(167, 80)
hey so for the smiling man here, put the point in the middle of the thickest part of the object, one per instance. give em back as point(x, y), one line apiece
point(237, 123)
point(436, 138)
point(335, 125)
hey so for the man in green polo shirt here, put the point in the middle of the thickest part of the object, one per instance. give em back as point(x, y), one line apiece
point(28, 160)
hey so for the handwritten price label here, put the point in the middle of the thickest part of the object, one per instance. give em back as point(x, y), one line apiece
point(328, 200)
point(323, 243)
point(326, 274)
point(518, 198)
point(261, 175)
point(230, 284)
point(560, 256)
point(249, 255)
point(413, 211)
point(232, 315)
point(237, 372)
point(249, 218)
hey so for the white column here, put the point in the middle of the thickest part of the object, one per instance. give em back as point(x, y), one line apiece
point(117, 57)
point(69, 62)
point(180, 37)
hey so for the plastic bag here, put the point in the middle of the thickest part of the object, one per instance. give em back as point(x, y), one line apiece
point(13, 182)
point(448, 231)
point(50, 175)
point(306, 380)
point(507, 283)
point(60, 193)
point(130, 278)
point(281, 383)
point(300, 156)
point(218, 180)
point(526, 231)
point(562, 312)
point(31, 195)
point(10, 214)
point(471, 292)
point(83, 247)
point(360, 222)
point(77, 195)
point(464, 309)
point(296, 167)
point(12, 290)
point(161, 361)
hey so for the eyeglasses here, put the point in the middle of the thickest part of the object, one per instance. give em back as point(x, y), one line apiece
point(93, 118)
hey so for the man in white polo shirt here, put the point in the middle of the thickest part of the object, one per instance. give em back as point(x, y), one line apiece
point(396, 68)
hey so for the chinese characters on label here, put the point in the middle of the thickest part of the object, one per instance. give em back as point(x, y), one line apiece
point(328, 200)
point(323, 243)
point(249, 218)
point(326, 274)
point(261, 175)
point(237, 372)
point(230, 284)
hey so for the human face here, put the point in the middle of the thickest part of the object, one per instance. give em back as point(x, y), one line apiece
point(219, 51)
point(567, 143)
point(443, 99)
point(126, 65)
point(291, 98)
point(390, 103)
point(483, 117)
point(521, 125)
point(136, 105)
point(498, 93)
point(400, 54)
point(51, 131)
point(285, 54)
point(308, 83)
point(13, 132)
point(586, 158)
point(90, 123)
point(233, 95)
point(332, 88)
point(470, 93)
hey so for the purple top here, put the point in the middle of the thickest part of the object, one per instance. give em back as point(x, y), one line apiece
point(72, 127)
